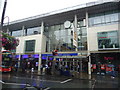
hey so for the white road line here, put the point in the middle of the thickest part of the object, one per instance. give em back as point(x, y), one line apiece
point(18, 84)
point(47, 88)
point(38, 79)
point(66, 81)
point(93, 86)
point(2, 81)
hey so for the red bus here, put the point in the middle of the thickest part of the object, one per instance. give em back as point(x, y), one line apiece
point(6, 65)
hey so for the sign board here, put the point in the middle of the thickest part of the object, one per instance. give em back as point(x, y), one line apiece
point(75, 43)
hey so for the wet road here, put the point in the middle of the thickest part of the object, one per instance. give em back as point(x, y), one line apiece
point(34, 82)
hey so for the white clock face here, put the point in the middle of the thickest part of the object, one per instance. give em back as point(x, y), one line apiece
point(67, 24)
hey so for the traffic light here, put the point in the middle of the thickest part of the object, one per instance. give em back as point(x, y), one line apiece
point(55, 52)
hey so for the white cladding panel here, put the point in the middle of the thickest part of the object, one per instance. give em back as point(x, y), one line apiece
point(37, 38)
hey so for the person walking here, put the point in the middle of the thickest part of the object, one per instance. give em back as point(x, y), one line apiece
point(41, 69)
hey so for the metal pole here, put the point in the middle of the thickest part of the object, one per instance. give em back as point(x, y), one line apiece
point(7, 24)
point(40, 57)
point(2, 19)
point(89, 60)
point(3, 14)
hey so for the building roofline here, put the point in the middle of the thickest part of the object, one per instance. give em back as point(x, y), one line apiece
point(63, 10)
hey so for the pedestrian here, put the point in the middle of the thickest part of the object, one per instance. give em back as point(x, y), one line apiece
point(16, 67)
point(41, 69)
point(23, 66)
point(103, 69)
point(113, 73)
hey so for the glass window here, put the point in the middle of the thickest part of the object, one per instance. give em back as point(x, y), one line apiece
point(17, 33)
point(57, 35)
point(84, 31)
point(97, 20)
point(32, 31)
point(63, 32)
point(107, 18)
point(114, 17)
point(30, 46)
point(60, 38)
point(108, 40)
point(91, 21)
point(103, 18)
point(82, 43)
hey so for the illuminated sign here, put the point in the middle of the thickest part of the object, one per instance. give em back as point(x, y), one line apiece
point(108, 58)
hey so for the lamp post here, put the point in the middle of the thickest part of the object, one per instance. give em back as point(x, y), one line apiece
point(1, 25)
point(7, 23)
point(3, 14)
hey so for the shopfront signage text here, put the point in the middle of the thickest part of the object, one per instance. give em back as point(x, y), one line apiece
point(108, 58)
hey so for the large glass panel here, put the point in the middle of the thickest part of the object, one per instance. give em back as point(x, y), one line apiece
point(57, 35)
point(97, 20)
point(30, 46)
point(103, 18)
point(69, 31)
point(108, 40)
point(107, 18)
point(32, 31)
point(61, 38)
point(84, 31)
point(17, 33)
point(114, 17)
point(63, 32)
point(91, 21)
point(82, 43)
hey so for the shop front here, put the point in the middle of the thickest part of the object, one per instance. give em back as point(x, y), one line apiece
point(29, 61)
point(106, 63)
point(65, 62)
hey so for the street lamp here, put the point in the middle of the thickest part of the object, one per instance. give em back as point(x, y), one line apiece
point(2, 19)
point(3, 14)
point(7, 23)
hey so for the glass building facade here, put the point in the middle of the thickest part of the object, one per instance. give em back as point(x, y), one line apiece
point(58, 37)
point(61, 38)
point(100, 35)
point(104, 18)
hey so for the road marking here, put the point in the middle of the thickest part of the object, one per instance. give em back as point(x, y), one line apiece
point(93, 86)
point(2, 81)
point(14, 83)
point(28, 88)
point(37, 79)
point(47, 88)
point(18, 84)
point(66, 81)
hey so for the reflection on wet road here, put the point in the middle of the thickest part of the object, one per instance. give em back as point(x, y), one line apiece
point(48, 82)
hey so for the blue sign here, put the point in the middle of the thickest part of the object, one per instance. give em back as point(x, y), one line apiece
point(62, 54)
point(34, 56)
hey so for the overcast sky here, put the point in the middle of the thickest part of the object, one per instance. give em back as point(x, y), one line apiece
point(19, 9)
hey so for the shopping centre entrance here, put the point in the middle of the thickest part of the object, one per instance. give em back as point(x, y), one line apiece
point(60, 64)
